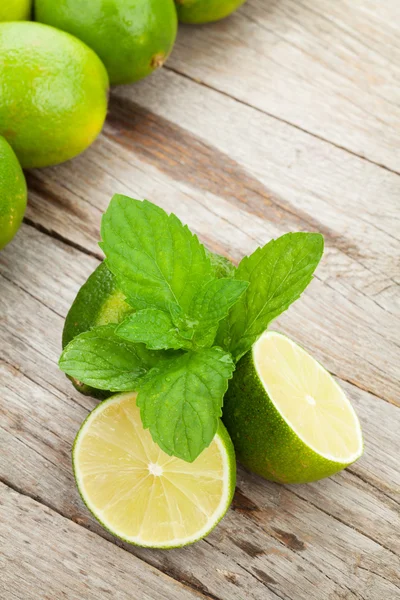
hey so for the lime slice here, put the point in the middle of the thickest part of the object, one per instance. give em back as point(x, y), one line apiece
point(141, 494)
point(288, 418)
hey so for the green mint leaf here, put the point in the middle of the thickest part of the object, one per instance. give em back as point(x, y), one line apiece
point(222, 266)
point(101, 359)
point(156, 260)
point(278, 273)
point(152, 327)
point(212, 304)
point(180, 401)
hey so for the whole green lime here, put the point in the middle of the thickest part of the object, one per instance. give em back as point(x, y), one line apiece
point(98, 302)
point(205, 11)
point(53, 93)
point(132, 37)
point(15, 10)
point(12, 193)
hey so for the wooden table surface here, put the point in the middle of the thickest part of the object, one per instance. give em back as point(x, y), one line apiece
point(284, 117)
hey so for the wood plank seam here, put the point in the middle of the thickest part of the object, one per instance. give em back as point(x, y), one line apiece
point(21, 493)
point(40, 501)
point(60, 238)
point(281, 120)
point(378, 489)
point(319, 508)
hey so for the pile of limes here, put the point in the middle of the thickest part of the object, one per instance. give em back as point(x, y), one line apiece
point(55, 74)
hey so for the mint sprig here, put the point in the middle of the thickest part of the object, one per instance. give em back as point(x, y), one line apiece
point(154, 328)
point(181, 401)
point(195, 316)
point(192, 330)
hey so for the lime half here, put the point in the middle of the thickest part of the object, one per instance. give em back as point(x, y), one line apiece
point(139, 493)
point(288, 418)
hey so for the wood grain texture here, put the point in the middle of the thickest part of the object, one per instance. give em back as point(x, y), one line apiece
point(330, 68)
point(284, 117)
point(52, 556)
point(277, 542)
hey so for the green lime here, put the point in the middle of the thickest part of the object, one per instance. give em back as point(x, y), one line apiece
point(222, 265)
point(132, 37)
point(288, 418)
point(15, 10)
point(53, 93)
point(98, 302)
point(139, 493)
point(13, 193)
point(205, 11)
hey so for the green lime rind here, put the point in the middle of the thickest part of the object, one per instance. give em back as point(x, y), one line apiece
point(131, 37)
point(53, 93)
point(197, 12)
point(13, 193)
point(15, 10)
point(228, 448)
point(264, 442)
point(98, 302)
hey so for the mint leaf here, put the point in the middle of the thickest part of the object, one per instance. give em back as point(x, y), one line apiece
point(222, 266)
point(156, 260)
point(211, 305)
point(101, 359)
point(180, 401)
point(154, 328)
point(278, 273)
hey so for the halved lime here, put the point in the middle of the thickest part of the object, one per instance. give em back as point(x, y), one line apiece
point(139, 493)
point(288, 418)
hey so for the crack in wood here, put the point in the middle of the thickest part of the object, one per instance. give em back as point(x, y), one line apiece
point(60, 238)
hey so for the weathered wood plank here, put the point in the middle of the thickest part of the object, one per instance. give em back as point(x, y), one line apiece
point(268, 521)
point(331, 68)
point(308, 89)
point(253, 555)
point(44, 553)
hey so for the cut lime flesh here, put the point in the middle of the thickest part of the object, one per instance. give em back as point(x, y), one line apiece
point(141, 494)
point(288, 418)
